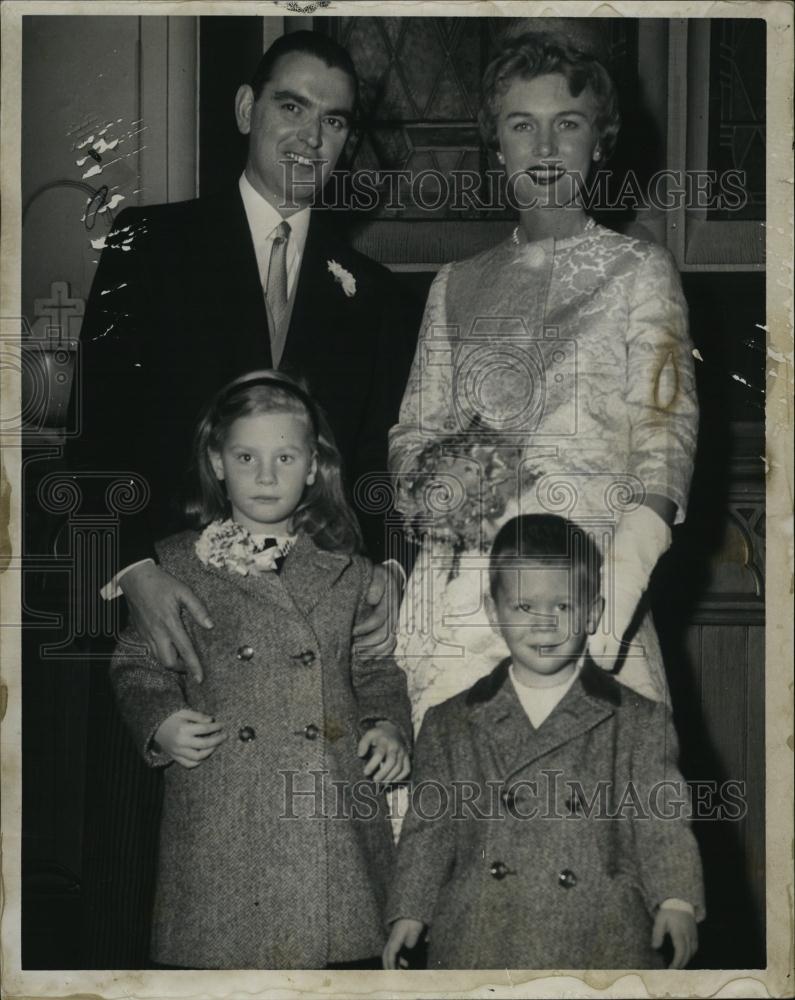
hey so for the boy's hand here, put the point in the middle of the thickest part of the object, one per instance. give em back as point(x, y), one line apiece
point(389, 758)
point(189, 737)
point(404, 934)
point(681, 928)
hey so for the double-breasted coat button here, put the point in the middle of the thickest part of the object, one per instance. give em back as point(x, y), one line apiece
point(246, 734)
point(311, 731)
point(567, 879)
point(245, 653)
point(499, 870)
point(306, 659)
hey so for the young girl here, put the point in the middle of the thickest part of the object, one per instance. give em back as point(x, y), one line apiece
point(275, 846)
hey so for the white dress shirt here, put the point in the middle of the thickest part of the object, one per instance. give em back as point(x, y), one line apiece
point(538, 702)
point(263, 219)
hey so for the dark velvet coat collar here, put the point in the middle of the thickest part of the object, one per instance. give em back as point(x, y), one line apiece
point(494, 707)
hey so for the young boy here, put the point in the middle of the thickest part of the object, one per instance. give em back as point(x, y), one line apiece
point(547, 823)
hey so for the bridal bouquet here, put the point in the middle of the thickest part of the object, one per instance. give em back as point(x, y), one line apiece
point(460, 488)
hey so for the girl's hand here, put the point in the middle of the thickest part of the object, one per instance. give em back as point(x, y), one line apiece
point(683, 932)
point(189, 737)
point(404, 934)
point(388, 757)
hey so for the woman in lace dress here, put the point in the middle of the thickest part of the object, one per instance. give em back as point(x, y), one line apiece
point(568, 344)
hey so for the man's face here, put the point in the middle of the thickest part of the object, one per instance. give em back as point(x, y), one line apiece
point(297, 129)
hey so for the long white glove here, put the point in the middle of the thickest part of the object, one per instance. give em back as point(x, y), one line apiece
point(641, 538)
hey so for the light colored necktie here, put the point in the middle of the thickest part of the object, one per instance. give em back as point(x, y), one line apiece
point(276, 292)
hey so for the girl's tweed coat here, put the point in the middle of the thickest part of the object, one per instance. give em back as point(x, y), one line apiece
point(274, 852)
point(500, 855)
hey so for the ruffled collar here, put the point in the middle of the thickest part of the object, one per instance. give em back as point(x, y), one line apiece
point(228, 545)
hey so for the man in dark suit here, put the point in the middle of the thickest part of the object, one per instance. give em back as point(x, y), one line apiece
point(188, 296)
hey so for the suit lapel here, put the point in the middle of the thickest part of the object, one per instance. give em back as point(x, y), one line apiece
point(232, 279)
point(317, 297)
point(585, 705)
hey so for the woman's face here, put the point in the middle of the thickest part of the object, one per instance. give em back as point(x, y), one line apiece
point(546, 139)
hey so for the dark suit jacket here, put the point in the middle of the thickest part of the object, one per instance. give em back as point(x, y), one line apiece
point(177, 309)
point(546, 848)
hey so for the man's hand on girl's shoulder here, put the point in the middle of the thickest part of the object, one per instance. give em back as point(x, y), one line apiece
point(375, 636)
point(189, 737)
point(388, 758)
point(156, 599)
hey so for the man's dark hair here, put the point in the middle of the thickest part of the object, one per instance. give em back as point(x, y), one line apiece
point(311, 43)
point(550, 539)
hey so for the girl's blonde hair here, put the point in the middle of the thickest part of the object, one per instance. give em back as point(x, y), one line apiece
point(324, 512)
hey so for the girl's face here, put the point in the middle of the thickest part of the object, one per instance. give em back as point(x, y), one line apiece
point(266, 462)
point(547, 139)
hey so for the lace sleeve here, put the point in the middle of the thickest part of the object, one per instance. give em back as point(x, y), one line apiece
point(426, 409)
point(661, 394)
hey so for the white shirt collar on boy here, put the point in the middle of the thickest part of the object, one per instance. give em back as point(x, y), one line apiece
point(539, 702)
point(262, 220)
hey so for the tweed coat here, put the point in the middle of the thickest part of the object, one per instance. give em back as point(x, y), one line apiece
point(531, 880)
point(275, 851)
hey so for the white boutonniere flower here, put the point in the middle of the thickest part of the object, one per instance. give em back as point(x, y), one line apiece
point(343, 277)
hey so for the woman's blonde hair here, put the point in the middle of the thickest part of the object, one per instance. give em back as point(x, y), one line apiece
point(529, 56)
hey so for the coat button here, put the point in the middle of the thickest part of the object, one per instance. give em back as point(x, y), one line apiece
point(245, 653)
point(498, 870)
point(246, 734)
point(508, 799)
point(311, 731)
point(567, 879)
point(306, 659)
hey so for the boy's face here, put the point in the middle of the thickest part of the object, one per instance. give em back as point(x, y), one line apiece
point(544, 617)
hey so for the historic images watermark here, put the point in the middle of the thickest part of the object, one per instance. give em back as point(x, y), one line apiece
point(467, 191)
point(552, 796)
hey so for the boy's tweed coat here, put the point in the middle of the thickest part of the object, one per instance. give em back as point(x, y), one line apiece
point(250, 875)
point(529, 889)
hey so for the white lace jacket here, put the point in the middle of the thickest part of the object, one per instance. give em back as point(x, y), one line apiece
point(580, 348)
